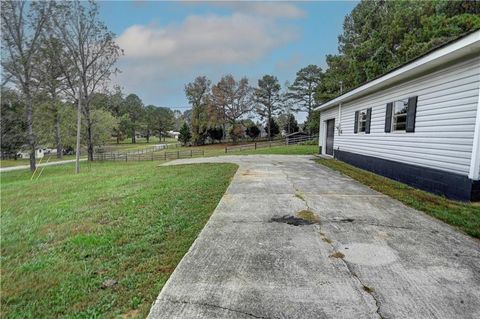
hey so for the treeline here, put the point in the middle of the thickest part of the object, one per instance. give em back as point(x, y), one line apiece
point(381, 35)
point(56, 57)
point(224, 109)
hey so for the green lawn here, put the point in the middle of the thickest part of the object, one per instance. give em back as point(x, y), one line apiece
point(465, 216)
point(65, 234)
point(219, 150)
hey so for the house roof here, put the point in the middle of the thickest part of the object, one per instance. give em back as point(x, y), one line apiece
point(466, 45)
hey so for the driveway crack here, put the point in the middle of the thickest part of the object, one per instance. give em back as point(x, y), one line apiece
point(206, 304)
point(365, 288)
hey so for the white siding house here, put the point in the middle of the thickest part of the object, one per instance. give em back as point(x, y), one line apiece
point(419, 124)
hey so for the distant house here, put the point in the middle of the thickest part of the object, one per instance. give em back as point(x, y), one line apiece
point(173, 134)
point(418, 124)
point(39, 153)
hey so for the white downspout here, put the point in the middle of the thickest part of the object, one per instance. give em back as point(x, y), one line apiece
point(475, 160)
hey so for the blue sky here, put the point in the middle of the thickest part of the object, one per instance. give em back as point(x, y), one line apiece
point(168, 44)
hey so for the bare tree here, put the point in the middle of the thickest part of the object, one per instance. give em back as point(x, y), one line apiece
point(198, 95)
point(232, 99)
point(91, 54)
point(22, 26)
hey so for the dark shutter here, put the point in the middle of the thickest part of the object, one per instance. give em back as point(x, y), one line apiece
point(388, 117)
point(355, 126)
point(411, 113)
point(367, 123)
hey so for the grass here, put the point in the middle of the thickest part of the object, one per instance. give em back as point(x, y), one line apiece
point(464, 216)
point(219, 150)
point(64, 235)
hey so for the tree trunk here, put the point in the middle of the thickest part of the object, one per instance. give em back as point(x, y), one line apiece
point(148, 136)
point(269, 127)
point(58, 139)
point(89, 132)
point(30, 136)
point(133, 137)
point(118, 137)
point(79, 127)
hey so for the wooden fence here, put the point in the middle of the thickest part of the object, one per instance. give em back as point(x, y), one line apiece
point(150, 156)
point(257, 145)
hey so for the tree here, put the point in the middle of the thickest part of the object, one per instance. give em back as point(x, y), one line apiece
point(231, 100)
point(237, 131)
point(215, 133)
point(22, 26)
point(185, 135)
point(290, 125)
point(272, 129)
point(312, 124)
point(52, 84)
point(116, 106)
point(197, 93)
point(163, 121)
point(381, 35)
point(267, 98)
point(252, 131)
point(13, 123)
point(303, 88)
point(149, 120)
point(91, 53)
point(133, 106)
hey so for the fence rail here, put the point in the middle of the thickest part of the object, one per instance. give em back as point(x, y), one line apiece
point(151, 156)
point(257, 145)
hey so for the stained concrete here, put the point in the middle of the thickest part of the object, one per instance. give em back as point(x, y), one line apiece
point(398, 262)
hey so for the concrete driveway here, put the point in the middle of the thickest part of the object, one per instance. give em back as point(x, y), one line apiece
point(366, 256)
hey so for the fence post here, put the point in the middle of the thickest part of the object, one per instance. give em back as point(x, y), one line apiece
point(270, 144)
point(152, 156)
point(203, 152)
point(255, 145)
point(178, 154)
point(225, 150)
point(165, 155)
point(126, 157)
point(191, 155)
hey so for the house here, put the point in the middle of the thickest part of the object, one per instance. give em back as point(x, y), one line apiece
point(418, 124)
point(173, 134)
point(39, 153)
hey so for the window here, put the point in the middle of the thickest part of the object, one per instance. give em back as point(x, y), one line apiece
point(399, 115)
point(362, 120)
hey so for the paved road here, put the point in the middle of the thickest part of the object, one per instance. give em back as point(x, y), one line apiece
point(398, 262)
point(16, 168)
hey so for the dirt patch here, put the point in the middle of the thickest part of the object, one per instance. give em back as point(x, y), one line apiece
point(337, 254)
point(308, 215)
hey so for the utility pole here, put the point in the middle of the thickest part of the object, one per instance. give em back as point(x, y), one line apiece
point(79, 125)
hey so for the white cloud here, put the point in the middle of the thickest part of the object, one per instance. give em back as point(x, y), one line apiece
point(268, 9)
point(156, 56)
point(237, 38)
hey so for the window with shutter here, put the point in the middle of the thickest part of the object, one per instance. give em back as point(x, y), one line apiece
point(388, 118)
point(411, 114)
